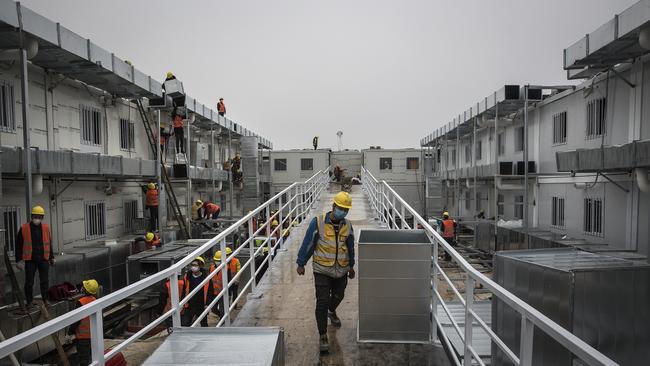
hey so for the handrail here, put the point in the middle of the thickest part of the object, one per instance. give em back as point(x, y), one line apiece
point(384, 200)
point(302, 195)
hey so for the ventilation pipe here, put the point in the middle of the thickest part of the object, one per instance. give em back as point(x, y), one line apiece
point(31, 46)
point(642, 179)
point(644, 38)
point(37, 184)
point(508, 187)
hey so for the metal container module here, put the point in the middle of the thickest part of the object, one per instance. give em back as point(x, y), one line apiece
point(601, 299)
point(394, 286)
point(134, 270)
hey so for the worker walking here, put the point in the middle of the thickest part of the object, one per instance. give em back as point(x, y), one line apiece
point(151, 201)
point(234, 266)
point(448, 227)
point(217, 284)
point(152, 240)
point(179, 131)
point(165, 300)
point(201, 299)
point(211, 210)
point(315, 142)
point(330, 240)
point(221, 107)
point(81, 329)
point(34, 253)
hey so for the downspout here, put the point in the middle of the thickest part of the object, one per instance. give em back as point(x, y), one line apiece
point(642, 180)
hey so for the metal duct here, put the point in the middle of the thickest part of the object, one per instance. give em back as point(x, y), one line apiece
point(31, 45)
point(642, 179)
point(507, 187)
point(37, 184)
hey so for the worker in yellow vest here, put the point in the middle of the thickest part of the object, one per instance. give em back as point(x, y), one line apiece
point(81, 329)
point(34, 253)
point(330, 241)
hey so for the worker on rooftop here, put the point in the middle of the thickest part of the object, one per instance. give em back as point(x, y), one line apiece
point(201, 299)
point(211, 210)
point(34, 253)
point(179, 131)
point(151, 202)
point(153, 240)
point(221, 107)
point(197, 210)
point(448, 227)
point(314, 142)
point(81, 329)
point(330, 240)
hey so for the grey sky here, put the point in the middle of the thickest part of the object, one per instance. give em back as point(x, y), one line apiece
point(384, 72)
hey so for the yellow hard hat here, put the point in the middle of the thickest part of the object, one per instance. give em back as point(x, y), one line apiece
point(445, 214)
point(151, 185)
point(200, 259)
point(228, 251)
point(343, 200)
point(198, 203)
point(91, 286)
point(217, 256)
point(169, 74)
point(149, 236)
point(274, 223)
point(38, 210)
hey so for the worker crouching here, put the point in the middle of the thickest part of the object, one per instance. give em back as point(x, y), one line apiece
point(153, 240)
point(195, 306)
point(81, 329)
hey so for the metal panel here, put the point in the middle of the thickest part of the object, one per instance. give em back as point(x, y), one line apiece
point(575, 52)
point(140, 79)
point(634, 17)
point(619, 157)
point(85, 163)
point(39, 25)
point(53, 162)
point(131, 166)
point(72, 42)
point(8, 13)
point(642, 153)
point(122, 69)
point(100, 56)
point(148, 168)
point(602, 36)
point(155, 87)
point(110, 165)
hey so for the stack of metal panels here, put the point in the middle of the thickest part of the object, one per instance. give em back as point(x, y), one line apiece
point(599, 298)
point(394, 286)
point(250, 170)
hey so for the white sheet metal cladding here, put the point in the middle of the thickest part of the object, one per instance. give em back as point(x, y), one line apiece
point(394, 286)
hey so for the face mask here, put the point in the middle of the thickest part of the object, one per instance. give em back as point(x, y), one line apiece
point(194, 269)
point(36, 221)
point(339, 214)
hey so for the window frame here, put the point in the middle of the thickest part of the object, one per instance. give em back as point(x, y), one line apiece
point(593, 216)
point(411, 159)
point(11, 226)
point(468, 153)
point(596, 118)
point(383, 160)
point(90, 126)
point(559, 130)
point(129, 139)
point(501, 143)
point(95, 228)
point(479, 150)
point(129, 207)
point(306, 160)
point(519, 207)
point(282, 161)
point(501, 204)
point(519, 139)
point(558, 212)
point(7, 107)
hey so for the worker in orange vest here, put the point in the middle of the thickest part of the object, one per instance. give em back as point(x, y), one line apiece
point(165, 300)
point(217, 283)
point(234, 266)
point(153, 240)
point(179, 132)
point(448, 227)
point(211, 210)
point(151, 201)
point(34, 252)
point(221, 107)
point(201, 299)
point(164, 135)
point(81, 329)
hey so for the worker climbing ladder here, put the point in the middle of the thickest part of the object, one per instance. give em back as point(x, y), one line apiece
point(151, 137)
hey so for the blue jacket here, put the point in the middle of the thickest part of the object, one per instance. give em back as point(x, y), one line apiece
point(311, 238)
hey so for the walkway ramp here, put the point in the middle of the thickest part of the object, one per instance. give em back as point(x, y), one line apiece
point(288, 301)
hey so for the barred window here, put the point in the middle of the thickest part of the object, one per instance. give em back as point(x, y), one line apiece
point(519, 207)
point(559, 128)
point(95, 219)
point(385, 163)
point(7, 107)
point(468, 153)
point(130, 215)
point(479, 150)
point(468, 200)
point(593, 216)
point(596, 112)
point(519, 139)
point(307, 164)
point(500, 204)
point(557, 212)
point(91, 126)
point(127, 134)
point(11, 225)
point(501, 142)
point(280, 164)
point(412, 163)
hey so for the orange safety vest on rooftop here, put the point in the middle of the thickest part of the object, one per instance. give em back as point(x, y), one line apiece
point(83, 330)
point(27, 241)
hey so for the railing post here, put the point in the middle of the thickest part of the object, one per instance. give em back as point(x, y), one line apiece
point(404, 219)
point(469, 302)
point(280, 241)
point(434, 298)
point(175, 299)
point(97, 337)
point(224, 278)
point(393, 213)
point(251, 257)
point(268, 237)
point(526, 342)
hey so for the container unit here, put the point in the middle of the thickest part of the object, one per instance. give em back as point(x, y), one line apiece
point(94, 264)
point(394, 286)
point(116, 255)
point(599, 298)
point(164, 260)
point(134, 271)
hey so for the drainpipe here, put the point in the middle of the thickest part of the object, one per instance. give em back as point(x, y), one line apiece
point(642, 180)
point(27, 156)
point(456, 165)
point(526, 165)
point(159, 168)
point(474, 161)
point(496, 160)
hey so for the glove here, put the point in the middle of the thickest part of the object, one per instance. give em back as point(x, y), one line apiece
point(20, 265)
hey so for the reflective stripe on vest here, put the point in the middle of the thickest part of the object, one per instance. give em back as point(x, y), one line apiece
point(326, 252)
point(168, 306)
point(83, 330)
point(152, 197)
point(187, 291)
point(448, 228)
point(178, 122)
point(26, 232)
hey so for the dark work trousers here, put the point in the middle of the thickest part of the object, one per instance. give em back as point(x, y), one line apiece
point(84, 352)
point(451, 242)
point(153, 218)
point(179, 136)
point(31, 267)
point(233, 291)
point(218, 308)
point(191, 314)
point(329, 294)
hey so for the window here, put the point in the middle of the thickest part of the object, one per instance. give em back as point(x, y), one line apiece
point(412, 163)
point(95, 219)
point(478, 201)
point(500, 205)
point(557, 212)
point(7, 103)
point(130, 215)
point(280, 165)
point(468, 153)
point(307, 164)
point(385, 163)
point(468, 200)
point(91, 126)
point(596, 112)
point(127, 134)
point(519, 139)
point(11, 223)
point(501, 142)
point(519, 207)
point(479, 150)
point(559, 128)
point(453, 157)
point(593, 216)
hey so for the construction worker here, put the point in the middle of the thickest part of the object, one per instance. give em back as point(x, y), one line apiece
point(315, 142)
point(221, 107)
point(211, 210)
point(164, 135)
point(153, 240)
point(217, 283)
point(179, 131)
point(198, 302)
point(165, 300)
point(448, 227)
point(197, 210)
point(151, 201)
point(330, 240)
point(234, 266)
point(81, 329)
point(34, 253)
point(170, 76)
point(235, 169)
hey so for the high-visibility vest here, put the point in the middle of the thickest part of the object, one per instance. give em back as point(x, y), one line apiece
point(221, 107)
point(212, 208)
point(187, 290)
point(152, 197)
point(217, 280)
point(155, 242)
point(27, 241)
point(178, 122)
point(181, 284)
point(327, 250)
point(448, 228)
point(234, 266)
point(83, 330)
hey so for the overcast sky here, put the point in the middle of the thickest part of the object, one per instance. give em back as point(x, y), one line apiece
point(385, 72)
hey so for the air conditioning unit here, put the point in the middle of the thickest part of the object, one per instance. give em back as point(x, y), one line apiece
point(505, 168)
point(521, 165)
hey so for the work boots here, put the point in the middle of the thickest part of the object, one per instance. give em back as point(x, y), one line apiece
point(324, 344)
point(334, 319)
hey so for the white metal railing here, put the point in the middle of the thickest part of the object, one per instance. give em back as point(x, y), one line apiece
point(301, 198)
point(389, 207)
